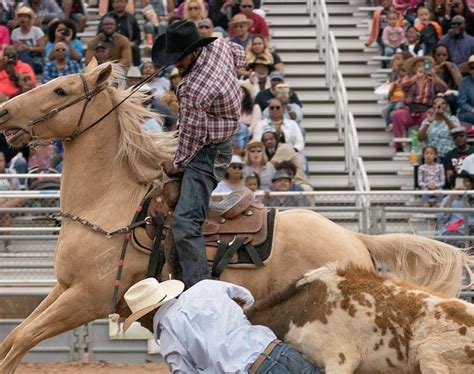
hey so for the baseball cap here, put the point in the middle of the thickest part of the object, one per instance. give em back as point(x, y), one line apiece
point(101, 45)
point(281, 174)
point(458, 130)
point(276, 75)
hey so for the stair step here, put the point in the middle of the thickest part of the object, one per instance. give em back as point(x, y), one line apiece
point(372, 167)
point(351, 82)
point(316, 138)
point(337, 151)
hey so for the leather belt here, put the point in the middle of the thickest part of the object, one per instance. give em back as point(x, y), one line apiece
point(261, 358)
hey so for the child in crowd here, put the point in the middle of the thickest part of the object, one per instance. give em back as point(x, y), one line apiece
point(430, 174)
point(252, 182)
point(379, 22)
point(393, 36)
point(412, 43)
point(430, 31)
point(395, 92)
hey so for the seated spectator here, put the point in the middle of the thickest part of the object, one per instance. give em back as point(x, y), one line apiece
point(64, 31)
point(259, 25)
point(106, 6)
point(206, 29)
point(264, 96)
point(420, 87)
point(438, 9)
point(278, 153)
point(379, 22)
point(169, 97)
point(43, 157)
point(241, 24)
point(448, 73)
point(453, 160)
point(29, 40)
point(287, 130)
point(290, 110)
point(102, 53)
point(60, 65)
point(8, 184)
point(194, 11)
point(6, 16)
point(466, 94)
point(249, 117)
point(395, 92)
point(159, 84)
point(435, 129)
point(44, 11)
point(4, 37)
point(282, 182)
point(430, 31)
point(258, 47)
point(14, 74)
point(460, 45)
point(413, 43)
point(453, 223)
point(430, 175)
point(256, 162)
point(119, 45)
point(233, 178)
point(126, 24)
point(393, 36)
point(258, 73)
point(252, 182)
point(133, 76)
point(458, 8)
point(75, 11)
point(156, 15)
point(408, 9)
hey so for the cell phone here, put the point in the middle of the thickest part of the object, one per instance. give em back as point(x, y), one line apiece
point(427, 65)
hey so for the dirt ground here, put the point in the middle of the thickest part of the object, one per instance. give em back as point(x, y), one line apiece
point(91, 368)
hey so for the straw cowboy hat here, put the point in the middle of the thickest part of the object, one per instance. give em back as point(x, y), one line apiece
point(24, 10)
point(464, 67)
point(149, 294)
point(254, 143)
point(179, 40)
point(240, 18)
point(134, 72)
point(411, 62)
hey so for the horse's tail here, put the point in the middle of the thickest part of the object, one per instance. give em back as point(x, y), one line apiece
point(425, 262)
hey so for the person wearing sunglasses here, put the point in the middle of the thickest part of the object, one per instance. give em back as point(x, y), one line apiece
point(194, 11)
point(454, 159)
point(256, 162)
point(233, 177)
point(258, 25)
point(460, 45)
point(12, 69)
point(61, 65)
point(458, 8)
point(466, 93)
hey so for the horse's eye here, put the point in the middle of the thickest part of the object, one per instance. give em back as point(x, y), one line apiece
point(60, 92)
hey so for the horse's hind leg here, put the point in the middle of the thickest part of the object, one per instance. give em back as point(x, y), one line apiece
point(70, 310)
point(48, 300)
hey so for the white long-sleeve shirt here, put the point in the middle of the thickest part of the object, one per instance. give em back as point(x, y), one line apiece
point(293, 134)
point(205, 331)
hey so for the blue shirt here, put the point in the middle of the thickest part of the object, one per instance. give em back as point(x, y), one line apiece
point(466, 95)
point(76, 44)
point(51, 71)
point(459, 48)
point(205, 331)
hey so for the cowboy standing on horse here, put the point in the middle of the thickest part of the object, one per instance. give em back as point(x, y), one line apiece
point(209, 110)
point(206, 329)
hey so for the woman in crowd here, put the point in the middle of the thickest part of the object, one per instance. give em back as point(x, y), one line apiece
point(169, 97)
point(287, 130)
point(256, 162)
point(258, 47)
point(195, 11)
point(29, 40)
point(234, 176)
point(458, 8)
point(466, 93)
point(63, 31)
point(249, 117)
point(436, 128)
point(160, 84)
point(449, 73)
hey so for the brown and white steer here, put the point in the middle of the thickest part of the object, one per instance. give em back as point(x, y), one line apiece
point(349, 319)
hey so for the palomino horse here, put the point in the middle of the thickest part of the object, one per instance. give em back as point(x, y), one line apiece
point(107, 167)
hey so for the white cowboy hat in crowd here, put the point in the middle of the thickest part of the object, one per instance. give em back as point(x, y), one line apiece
point(149, 294)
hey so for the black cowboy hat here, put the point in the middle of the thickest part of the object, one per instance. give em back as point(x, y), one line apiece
point(179, 40)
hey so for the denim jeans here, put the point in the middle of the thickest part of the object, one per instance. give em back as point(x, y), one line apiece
point(200, 178)
point(388, 109)
point(467, 118)
point(285, 360)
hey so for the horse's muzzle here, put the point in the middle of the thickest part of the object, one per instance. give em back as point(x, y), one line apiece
point(4, 115)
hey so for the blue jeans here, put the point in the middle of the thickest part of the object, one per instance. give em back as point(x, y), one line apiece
point(200, 178)
point(467, 118)
point(389, 109)
point(285, 360)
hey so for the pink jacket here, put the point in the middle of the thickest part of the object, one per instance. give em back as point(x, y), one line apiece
point(375, 26)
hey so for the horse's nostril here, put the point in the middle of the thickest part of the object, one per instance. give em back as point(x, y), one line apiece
point(4, 115)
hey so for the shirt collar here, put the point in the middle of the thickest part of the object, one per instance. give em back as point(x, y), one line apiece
point(160, 313)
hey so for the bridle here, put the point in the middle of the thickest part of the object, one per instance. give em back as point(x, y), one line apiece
point(87, 97)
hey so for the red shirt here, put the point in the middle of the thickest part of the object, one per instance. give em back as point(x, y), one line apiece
point(259, 26)
point(7, 87)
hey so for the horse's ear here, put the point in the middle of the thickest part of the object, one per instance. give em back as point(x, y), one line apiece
point(91, 65)
point(100, 74)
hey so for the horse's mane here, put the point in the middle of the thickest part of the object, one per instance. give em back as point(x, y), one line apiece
point(142, 151)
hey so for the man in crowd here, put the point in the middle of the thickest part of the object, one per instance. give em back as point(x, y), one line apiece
point(258, 26)
point(205, 28)
point(264, 96)
point(127, 25)
point(460, 44)
point(61, 65)
point(241, 24)
point(15, 76)
point(453, 160)
point(119, 45)
point(282, 181)
point(206, 330)
point(209, 111)
point(45, 11)
point(102, 53)
point(466, 94)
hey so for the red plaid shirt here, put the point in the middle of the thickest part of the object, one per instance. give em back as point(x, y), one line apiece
point(209, 100)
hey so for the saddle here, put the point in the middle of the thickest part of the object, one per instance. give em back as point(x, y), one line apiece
point(236, 230)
